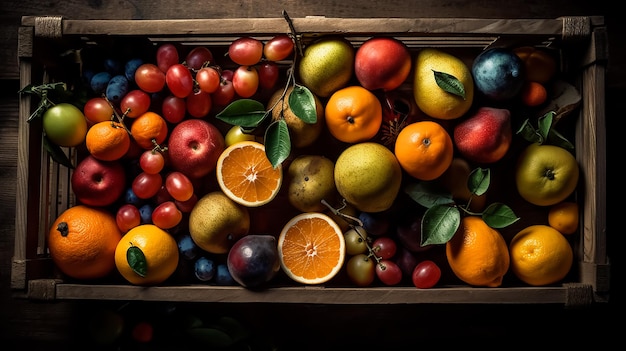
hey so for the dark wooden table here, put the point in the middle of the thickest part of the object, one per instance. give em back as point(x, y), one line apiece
point(27, 325)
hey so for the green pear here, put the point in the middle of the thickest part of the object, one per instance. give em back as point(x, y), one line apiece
point(327, 65)
point(368, 176)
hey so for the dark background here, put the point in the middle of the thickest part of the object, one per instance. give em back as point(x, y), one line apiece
point(30, 325)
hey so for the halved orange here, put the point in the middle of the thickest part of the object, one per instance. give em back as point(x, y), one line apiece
point(311, 248)
point(247, 176)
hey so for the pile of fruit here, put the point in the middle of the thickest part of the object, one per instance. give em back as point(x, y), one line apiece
point(369, 165)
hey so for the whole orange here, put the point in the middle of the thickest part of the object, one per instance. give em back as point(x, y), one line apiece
point(82, 242)
point(157, 246)
point(107, 141)
point(477, 253)
point(540, 255)
point(149, 129)
point(564, 217)
point(353, 114)
point(424, 150)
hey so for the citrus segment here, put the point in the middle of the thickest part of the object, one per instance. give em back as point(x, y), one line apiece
point(540, 255)
point(159, 249)
point(247, 176)
point(107, 141)
point(478, 254)
point(353, 114)
point(82, 242)
point(424, 150)
point(311, 248)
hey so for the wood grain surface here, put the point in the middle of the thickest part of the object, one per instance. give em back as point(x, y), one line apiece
point(26, 325)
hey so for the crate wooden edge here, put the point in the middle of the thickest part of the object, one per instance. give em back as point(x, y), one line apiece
point(570, 294)
point(594, 271)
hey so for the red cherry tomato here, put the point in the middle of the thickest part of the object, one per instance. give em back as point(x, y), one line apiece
point(150, 78)
point(179, 186)
point(166, 215)
point(426, 274)
point(127, 217)
point(135, 103)
point(278, 48)
point(146, 185)
point(199, 104)
point(246, 51)
point(97, 109)
point(208, 79)
point(167, 55)
point(173, 109)
point(246, 81)
point(179, 80)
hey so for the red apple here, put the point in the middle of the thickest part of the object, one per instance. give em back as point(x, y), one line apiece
point(194, 146)
point(98, 183)
point(382, 63)
point(485, 136)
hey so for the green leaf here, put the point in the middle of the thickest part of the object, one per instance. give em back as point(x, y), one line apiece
point(277, 142)
point(529, 133)
point(556, 138)
point(439, 224)
point(44, 105)
point(449, 83)
point(243, 112)
point(428, 194)
point(302, 103)
point(56, 153)
point(479, 180)
point(211, 337)
point(498, 215)
point(234, 328)
point(137, 260)
point(544, 124)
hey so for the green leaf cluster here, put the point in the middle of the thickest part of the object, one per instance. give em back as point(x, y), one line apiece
point(251, 115)
point(544, 133)
point(443, 215)
point(449, 83)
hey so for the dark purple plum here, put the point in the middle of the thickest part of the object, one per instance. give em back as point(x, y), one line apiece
point(204, 269)
point(498, 73)
point(187, 247)
point(222, 275)
point(253, 260)
point(409, 233)
point(375, 224)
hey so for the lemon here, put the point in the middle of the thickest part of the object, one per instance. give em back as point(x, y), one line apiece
point(327, 65)
point(429, 96)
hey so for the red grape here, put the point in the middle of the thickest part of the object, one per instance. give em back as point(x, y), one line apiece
point(166, 215)
point(151, 161)
point(426, 274)
point(278, 48)
point(179, 186)
point(187, 206)
point(173, 109)
point(167, 55)
point(150, 78)
point(127, 217)
point(135, 103)
point(384, 247)
point(208, 79)
point(198, 57)
point(225, 94)
point(246, 51)
point(97, 109)
point(146, 185)
point(179, 80)
point(199, 104)
point(388, 272)
point(268, 74)
point(246, 81)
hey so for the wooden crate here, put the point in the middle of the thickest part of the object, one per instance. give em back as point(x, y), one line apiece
point(43, 189)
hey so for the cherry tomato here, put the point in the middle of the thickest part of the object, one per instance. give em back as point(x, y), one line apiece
point(360, 270)
point(173, 109)
point(225, 94)
point(127, 217)
point(384, 247)
point(388, 272)
point(246, 81)
point(198, 57)
point(208, 79)
point(150, 78)
point(198, 104)
point(167, 55)
point(166, 215)
point(268, 74)
point(135, 103)
point(246, 51)
point(146, 185)
point(97, 109)
point(179, 186)
point(179, 80)
point(151, 161)
point(426, 274)
point(278, 48)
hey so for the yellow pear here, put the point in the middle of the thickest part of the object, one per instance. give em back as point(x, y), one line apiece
point(310, 179)
point(429, 96)
point(368, 176)
point(302, 134)
point(216, 222)
point(327, 65)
